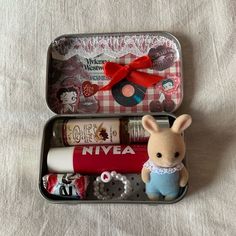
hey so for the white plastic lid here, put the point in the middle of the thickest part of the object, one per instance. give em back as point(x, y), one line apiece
point(60, 160)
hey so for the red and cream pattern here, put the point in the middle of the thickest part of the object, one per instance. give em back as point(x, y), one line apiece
point(109, 105)
point(122, 49)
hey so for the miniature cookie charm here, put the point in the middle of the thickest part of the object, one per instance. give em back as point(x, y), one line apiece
point(72, 186)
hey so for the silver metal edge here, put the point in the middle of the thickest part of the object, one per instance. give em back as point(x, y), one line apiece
point(66, 201)
point(162, 33)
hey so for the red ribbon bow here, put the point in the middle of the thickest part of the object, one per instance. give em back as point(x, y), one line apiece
point(118, 72)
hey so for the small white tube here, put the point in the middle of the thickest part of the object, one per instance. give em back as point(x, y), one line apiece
point(60, 160)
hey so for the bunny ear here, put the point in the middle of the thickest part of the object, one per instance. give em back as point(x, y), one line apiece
point(150, 124)
point(181, 123)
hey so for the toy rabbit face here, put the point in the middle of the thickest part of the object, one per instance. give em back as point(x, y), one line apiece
point(166, 147)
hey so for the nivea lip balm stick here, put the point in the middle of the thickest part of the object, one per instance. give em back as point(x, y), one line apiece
point(96, 159)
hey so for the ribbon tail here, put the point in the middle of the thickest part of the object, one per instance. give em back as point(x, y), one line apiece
point(104, 88)
point(141, 63)
point(144, 79)
point(111, 84)
point(119, 73)
point(110, 68)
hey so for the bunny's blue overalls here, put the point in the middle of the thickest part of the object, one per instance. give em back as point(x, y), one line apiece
point(163, 181)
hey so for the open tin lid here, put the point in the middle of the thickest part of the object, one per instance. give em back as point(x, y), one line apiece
point(75, 73)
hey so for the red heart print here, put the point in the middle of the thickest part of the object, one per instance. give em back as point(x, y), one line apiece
point(89, 89)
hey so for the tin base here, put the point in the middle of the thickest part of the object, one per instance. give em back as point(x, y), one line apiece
point(114, 188)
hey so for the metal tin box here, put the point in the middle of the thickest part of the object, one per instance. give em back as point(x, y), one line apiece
point(75, 62)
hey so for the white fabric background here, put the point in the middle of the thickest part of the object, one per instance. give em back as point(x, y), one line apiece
point(206, 30)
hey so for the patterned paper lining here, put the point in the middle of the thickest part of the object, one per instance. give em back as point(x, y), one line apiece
point(77, 62)
point(112, 46)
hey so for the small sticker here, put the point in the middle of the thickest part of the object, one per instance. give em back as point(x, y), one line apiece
point(169, 85)
point(168, 105)
point(68, 98)
point(162, 57)
point(89, 89)
point(156, 106)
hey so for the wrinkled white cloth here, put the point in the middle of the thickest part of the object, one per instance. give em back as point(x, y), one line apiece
point(206, 30)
